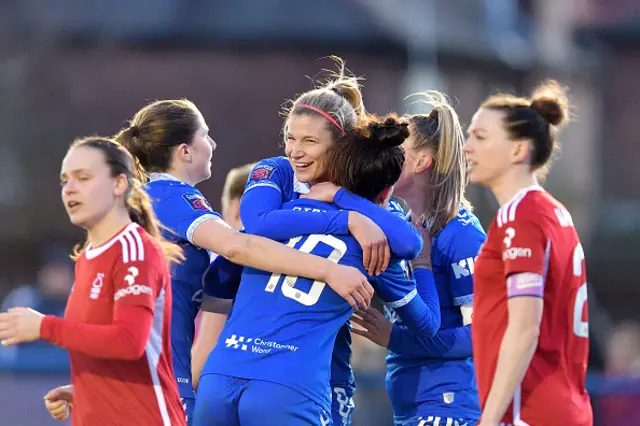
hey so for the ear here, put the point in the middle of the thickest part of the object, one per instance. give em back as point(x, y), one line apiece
point(521, 151)
point(183, 153)
point(385, 195)
point(121, 185)
point(425, 161)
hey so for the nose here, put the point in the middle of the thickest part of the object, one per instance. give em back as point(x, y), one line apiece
point(295, 149)
point(213, 143)
point(69, 187)
point(467, 147)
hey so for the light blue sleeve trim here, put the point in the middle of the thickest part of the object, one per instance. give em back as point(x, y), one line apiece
point(400, 303)
point(463, 300)
point(270, 184)
point(197, 222)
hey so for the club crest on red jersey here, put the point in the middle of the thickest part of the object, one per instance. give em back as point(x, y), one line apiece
point(197, 202)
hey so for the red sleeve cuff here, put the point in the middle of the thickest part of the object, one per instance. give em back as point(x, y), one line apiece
point(50, 324)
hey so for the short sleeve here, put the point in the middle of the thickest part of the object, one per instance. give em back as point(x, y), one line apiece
point(269, 173)
point(185, 212)
point(137, 283)
point(460, 260)
point(222, 280)
point(523, 246)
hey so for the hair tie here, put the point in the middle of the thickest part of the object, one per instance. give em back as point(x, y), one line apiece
point(434, 113)
point(134, 131)
point(322, 113)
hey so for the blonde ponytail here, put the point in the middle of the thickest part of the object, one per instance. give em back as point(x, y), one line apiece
point(441, 133)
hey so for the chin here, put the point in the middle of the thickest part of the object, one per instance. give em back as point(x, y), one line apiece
point(78, 221)
point(474, 179)
point(205, 176)
point(303, 177)
point(478, 180)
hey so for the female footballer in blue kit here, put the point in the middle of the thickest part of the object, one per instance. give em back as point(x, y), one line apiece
point(315, 121)
point(272, 364)
point(431, 380)
point(171, 143)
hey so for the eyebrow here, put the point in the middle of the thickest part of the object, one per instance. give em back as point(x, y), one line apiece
point(476, 130)
point(289, 135)
point(74, 172)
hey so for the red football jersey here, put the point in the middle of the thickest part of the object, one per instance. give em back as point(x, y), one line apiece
point(534, 233)
point(128, 271)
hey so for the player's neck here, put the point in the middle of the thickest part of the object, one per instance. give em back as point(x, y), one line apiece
point(181, 176)
point(510, 184)
point(417, 197)
point(109, 226)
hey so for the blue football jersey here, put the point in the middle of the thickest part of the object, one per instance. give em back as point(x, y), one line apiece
point(181, 208)
point(272, 183)
point(276, 173)
point(422, 381)
point(282, 329)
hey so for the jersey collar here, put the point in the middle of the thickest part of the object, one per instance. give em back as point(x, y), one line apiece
point(299, 187)
point(163, 176)
point(520, 194)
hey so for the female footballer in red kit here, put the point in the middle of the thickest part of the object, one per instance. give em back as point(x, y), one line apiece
point(118, 317)
point(530, 326)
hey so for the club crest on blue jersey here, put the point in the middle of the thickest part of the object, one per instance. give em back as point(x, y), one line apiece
point(197, 202)
point(261, 172)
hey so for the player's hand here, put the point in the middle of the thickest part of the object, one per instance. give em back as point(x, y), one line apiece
point(351, 285)
point(375, 247)
point(424, 258)
point(375, 326)
point(59, 402)
point(19, 325)
point(325, 191)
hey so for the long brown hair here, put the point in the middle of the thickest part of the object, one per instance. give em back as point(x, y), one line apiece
point(156, 130)
point(369, 158)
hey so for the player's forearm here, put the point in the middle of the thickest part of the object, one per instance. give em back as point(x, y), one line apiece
point(426, 305)
point(122, 339)
point(404, 239)
point(422, 313)
point(267, 255)
point(278, 224)
point(210, 328)
point(450, 343)
point(516, 350)
point(421, 318)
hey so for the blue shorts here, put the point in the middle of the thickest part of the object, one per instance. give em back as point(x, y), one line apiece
point(342, 403)
point(436, 421)
point(230, 401)
point(188, 404)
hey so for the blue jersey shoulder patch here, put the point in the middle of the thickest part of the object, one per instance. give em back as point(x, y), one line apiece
point(197, 201)
point(261, 171)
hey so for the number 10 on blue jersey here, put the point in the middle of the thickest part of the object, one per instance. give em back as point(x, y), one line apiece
point(311, 297)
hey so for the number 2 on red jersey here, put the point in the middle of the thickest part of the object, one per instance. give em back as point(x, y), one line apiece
point(580, 327)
